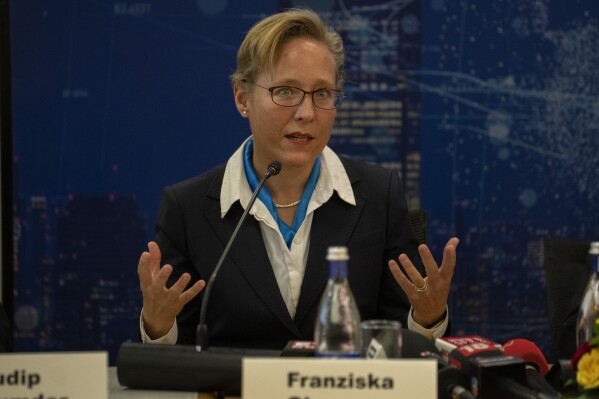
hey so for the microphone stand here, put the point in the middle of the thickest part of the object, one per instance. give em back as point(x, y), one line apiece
point(202, 341)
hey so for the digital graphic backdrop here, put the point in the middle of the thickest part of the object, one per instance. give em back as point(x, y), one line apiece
point(488, 110)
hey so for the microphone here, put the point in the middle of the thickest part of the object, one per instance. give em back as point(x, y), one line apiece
point(560, 373)
point(451, 382)
point(299, 349)
point(535, 363)
point(493, 375)
point(529, 352)
point(202, 341)
point(457, 351)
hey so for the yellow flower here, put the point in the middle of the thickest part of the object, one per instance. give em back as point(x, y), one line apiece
point(588, 370)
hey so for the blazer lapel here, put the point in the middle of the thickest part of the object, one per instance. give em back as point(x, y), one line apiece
point(249, 254)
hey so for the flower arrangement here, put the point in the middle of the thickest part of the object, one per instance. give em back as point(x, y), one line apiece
point(585, 362)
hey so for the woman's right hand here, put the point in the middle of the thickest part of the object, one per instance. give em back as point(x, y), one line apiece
point(162, 304)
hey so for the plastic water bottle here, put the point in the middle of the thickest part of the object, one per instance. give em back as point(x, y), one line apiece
point(589, 306)
point(337, 332)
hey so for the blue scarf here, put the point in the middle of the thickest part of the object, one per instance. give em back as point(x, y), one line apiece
point(288, 232)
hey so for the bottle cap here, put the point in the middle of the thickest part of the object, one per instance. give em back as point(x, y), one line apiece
point(337, 253)
point(594, 250)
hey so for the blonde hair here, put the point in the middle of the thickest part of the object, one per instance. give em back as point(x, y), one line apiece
point(262, 44)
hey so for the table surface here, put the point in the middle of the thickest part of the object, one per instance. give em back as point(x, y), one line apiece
point(117, 391)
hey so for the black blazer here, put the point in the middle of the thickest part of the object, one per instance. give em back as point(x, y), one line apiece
point(245, 307)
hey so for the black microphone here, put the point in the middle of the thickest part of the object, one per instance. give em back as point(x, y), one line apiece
point(493, 374)
point(560, 374)
point(451, 382)
point(536, 365)
point(202, 344)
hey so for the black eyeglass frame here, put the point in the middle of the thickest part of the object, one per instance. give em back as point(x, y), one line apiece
point(340, 95)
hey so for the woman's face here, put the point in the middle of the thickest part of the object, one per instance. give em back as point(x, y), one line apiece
point(295, 136)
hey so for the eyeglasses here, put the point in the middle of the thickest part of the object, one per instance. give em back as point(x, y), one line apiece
point(289, 96)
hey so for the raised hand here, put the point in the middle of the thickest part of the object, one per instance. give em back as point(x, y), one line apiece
point(427, 295)
point(162, 304)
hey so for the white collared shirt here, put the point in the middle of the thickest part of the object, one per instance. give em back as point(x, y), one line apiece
point(289, 264)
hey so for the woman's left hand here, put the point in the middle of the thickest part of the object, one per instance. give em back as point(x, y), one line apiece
point(427, 295)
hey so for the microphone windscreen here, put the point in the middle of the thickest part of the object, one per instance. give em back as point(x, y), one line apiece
point(274, 168)
point(527, 351)
point(457, 350)
point(414, 344)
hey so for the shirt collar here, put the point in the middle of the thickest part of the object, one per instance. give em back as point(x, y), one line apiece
point(333, 177)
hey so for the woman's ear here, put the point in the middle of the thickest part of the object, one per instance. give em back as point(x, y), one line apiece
point(241, 101)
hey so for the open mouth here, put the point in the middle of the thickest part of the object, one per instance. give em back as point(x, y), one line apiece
point(299, 137)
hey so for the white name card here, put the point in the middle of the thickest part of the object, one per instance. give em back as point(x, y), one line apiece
point(338, 378)
point(54, 375)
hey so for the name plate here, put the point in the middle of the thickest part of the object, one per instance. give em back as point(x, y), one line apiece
point(338, 378)
point(54, 375)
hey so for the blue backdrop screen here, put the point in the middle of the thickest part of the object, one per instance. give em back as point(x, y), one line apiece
point(487, 110)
